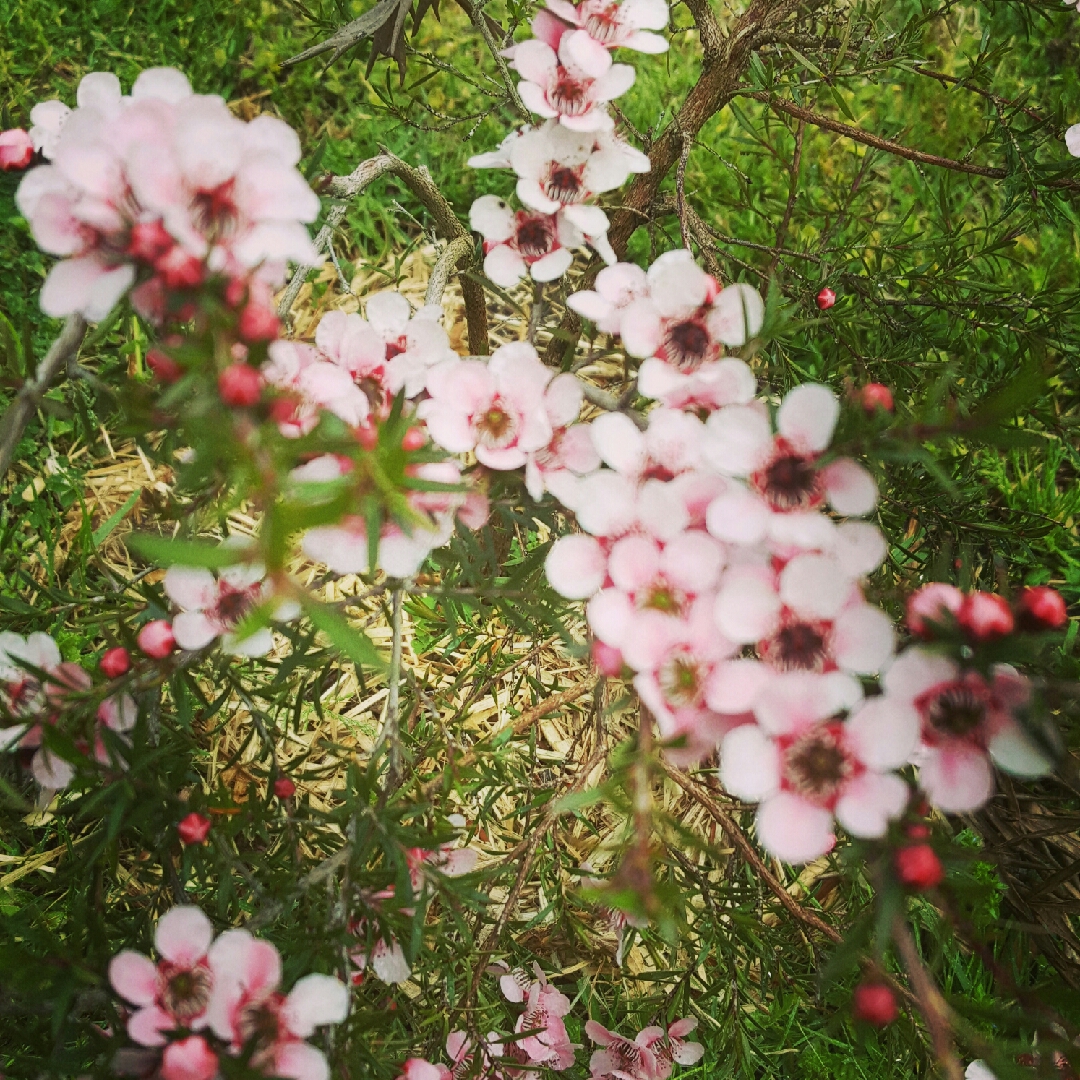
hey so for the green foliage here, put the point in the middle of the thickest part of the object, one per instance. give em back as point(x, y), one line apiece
point(958, 291)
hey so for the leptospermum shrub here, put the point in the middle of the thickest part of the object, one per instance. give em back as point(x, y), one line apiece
point(711, 544)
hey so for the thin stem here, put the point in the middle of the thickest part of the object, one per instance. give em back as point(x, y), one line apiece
point(390, 736)
point(17, 415)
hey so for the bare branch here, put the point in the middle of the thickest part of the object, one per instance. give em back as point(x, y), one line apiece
point(17, 415)
point(447, 225)
point(352, 33)
point(454, 254)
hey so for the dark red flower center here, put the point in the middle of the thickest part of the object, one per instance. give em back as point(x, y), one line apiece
point(564, 184)
point(798, 646)
point(954, 710)
point(687, 344)
point(536, 237)
point(570, 96)
point(817, 765)
point(790, 481)
point(186, 990)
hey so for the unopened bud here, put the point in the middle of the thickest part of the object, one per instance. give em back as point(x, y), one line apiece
point(919, 867)
point(985, 616)
point(156, 639)
point(194, 829)
point(240, 386)
point(874, 1003)
point(826, 298)
point(1041, 608)
point(115, 662)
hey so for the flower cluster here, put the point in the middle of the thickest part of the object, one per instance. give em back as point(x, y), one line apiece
point(716, 570)
point(205, 998)
point(652, 1055)
point(574, 155)
point(166, 188)
point(36, 685)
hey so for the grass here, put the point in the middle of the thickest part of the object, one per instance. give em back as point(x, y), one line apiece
point(949, 286)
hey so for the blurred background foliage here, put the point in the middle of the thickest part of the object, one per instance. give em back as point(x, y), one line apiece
point(960, 291)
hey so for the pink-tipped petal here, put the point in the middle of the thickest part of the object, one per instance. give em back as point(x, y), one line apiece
point(183, 935)
point(794, 830)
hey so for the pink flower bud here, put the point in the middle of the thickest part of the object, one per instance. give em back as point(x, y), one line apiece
point(826, 298)
point(165, 368)
point(986, 616)
point(149, 241)
point(194, 829)
point(918, 867)
point(608, 660)
point(413, 439)
point(258, 323)
point(874, 1003)
point(284, 788)
point(1041, 608)
point(933, 603)
point(16, 149)
point(115, 662)
point(240, 385)
point(366, 436)
point(189, 1059)
point(874, 396)
point(156, 639)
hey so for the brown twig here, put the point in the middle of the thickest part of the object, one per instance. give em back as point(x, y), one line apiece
point(520, 726)
point(749, 853)
point(793, 191)
point(447, 226)
point(17, 415)
point(888, 145)
point(934, 1008)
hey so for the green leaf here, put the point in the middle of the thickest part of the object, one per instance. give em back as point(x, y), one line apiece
point(104, 530)
point(186, 552)
point(346, 639)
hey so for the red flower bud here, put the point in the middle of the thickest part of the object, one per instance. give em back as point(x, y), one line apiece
point(149, 241)
point(189, 1059)
point(367, 436)
point(608, 659)
point(16, 149)
point(874, 396)
point(933, 603)
point(240, 385)
point(986, 616)
point(1041, 608)
point(194, 829)
point(413, 439)
point(156, 639)
point(283, 408)
point(874, 1003)
point(258, 323)
point(284, 788)
point(178, 269)
point(165, 368)
point(918, 867)
point(826, 298)
point(115, 662)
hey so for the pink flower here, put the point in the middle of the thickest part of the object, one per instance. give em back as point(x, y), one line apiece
point(175, 992)
point(781, 470)
point(496, 409)
point(392, 350)
point(964, 721)
point(26, 695)
point(535, 243)
point(573, 84)
point(618, 25)
point(559, 169)
point(317, 383)
point(385, 957)
point(810, 616)
point(687, 319)
point(571, 452)
point(164, 179)
point(544, 1009)
point(189, 1059)
point(212, 607)
point(649, 1057)
point(684, 658)
point(16, 149)
point(616, 288)
point(804, 768)
point(248, 1012)
point(653, 589)
point(420, 1069)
